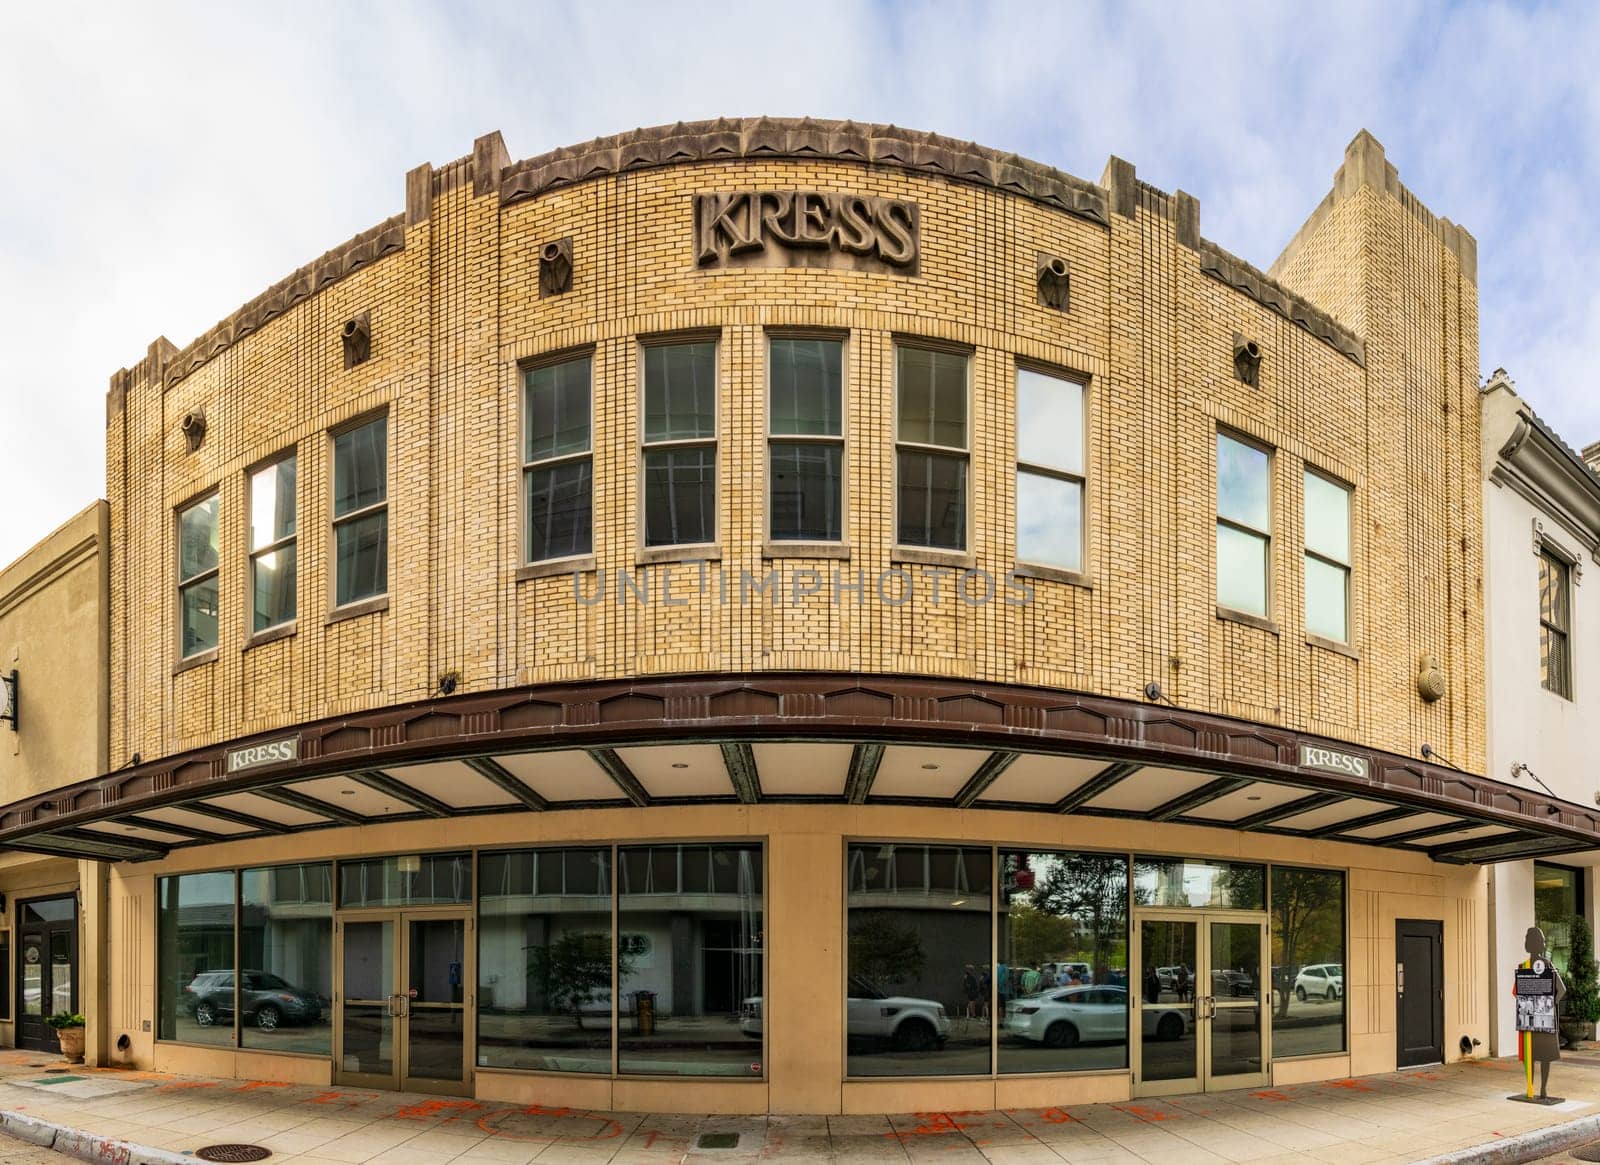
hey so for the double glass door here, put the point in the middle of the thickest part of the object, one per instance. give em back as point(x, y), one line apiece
point(1203, 1008)
point(402, 1001)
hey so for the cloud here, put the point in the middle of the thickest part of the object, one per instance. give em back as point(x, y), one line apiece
point(165, 164)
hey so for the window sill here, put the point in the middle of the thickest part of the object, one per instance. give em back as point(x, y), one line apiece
point(932, 556)
point(271, 635)
point(1053, 574)
point(195, 661)
point(553, 566)
point(702, 552)
point(1333, 645)
point(356, 610)
point(770, 549)
point(1229, 615)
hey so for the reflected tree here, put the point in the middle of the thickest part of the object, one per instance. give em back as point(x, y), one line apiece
point(883, 951)
point(1307, 924)
point(574, 968)
point(1091, 890)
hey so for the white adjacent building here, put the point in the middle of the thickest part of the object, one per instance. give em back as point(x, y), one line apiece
point(1542, 596)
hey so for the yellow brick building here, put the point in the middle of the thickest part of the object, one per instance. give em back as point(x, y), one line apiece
point(806, 616)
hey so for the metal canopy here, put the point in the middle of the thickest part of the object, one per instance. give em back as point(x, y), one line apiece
point(775, 739)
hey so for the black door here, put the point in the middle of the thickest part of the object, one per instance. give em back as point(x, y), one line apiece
point(47, 967)
point(1419, 992)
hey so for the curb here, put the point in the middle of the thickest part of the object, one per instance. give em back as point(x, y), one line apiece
point(1525, 1146)
point(85, 1146)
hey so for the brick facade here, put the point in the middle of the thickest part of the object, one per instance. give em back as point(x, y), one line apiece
point(1150, 327)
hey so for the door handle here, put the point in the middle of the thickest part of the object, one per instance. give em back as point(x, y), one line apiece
point(1399, 978)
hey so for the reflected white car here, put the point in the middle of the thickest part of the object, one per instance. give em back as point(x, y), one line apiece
point(908, 1024)
point(1319, 981)
point(1067, 1017)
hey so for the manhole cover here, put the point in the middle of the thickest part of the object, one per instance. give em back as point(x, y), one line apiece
point(233, 1153)
point(717, 1141)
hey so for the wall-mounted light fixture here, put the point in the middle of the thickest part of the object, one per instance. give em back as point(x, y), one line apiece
point(9, 699)
point(1519, 769)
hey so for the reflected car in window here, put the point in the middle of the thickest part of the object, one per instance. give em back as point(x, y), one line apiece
point(265, 1000)
point(1319, 981)
point(1064, 1019)
point(905, 1023)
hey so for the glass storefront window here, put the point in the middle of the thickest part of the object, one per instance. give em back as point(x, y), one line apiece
point(690, 946)
point(1307, 922)
point(920, 985)
point(544, 960)
point(1197, 883)
point(286, 957)
point(1062, 978)
point(1557, 900)
point(194, 959)
point(414, 880)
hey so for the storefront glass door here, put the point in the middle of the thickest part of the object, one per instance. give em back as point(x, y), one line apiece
point(402, 1011)
point(1201, 1020)
point(47, 967)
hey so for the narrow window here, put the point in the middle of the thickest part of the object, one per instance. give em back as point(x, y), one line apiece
point(272, 545)
point(361, 513)
point(680, 443)
point(807, 439)
point(1555, 658)
point(1050, 462)
point(1327, 558)
point(557, 460)
point(1244, 525)
point(197, 577)
point(931, 448)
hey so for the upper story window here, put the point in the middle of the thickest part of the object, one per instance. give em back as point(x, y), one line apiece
point(272, 545)
point(680, 443)
point(1050, 459)
point(361, 513)
point(931, 448)
point(1327, 558)
point(806, 446)
point(197, 577)
point(1244, 525)
point(1555, 624)
point(557, 460)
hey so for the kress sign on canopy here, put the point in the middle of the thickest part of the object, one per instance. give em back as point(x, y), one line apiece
point(806, 228)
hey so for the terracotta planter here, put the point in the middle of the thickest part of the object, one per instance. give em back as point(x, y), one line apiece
point(71, 1040)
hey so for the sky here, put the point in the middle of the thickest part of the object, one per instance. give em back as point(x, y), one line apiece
point(162, 164)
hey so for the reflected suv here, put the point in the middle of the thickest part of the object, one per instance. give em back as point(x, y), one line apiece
point(265, 1000)
point(907, 1024)
point(1321, 980)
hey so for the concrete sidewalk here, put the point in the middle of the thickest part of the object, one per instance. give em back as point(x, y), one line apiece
point(1406, 1116)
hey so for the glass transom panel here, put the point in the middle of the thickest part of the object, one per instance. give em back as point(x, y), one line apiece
point(1049, 421)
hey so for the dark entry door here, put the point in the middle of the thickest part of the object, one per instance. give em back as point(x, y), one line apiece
point(47, 967)
point(1419, 992)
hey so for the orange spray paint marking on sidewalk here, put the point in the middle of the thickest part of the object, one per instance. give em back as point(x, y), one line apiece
point(252, 1085)
point(1056, 1116)
point(427, 1109)
point(1269, 1095)
point(1149, 1114)
point(490, 1123)
point(930, 1124)
point(1351, 1085)
point(342, 1099)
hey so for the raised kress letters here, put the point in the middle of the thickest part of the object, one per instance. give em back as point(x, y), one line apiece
point(806, 228)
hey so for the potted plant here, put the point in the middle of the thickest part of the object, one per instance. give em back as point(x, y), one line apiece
point(69, 1032)
point(1581, 1008)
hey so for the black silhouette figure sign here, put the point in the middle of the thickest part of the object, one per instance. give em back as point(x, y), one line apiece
point(1539, 991)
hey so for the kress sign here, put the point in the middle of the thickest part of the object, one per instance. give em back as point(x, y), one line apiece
point(806, 228)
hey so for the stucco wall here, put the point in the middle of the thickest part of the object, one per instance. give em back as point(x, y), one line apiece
point(53, 632)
